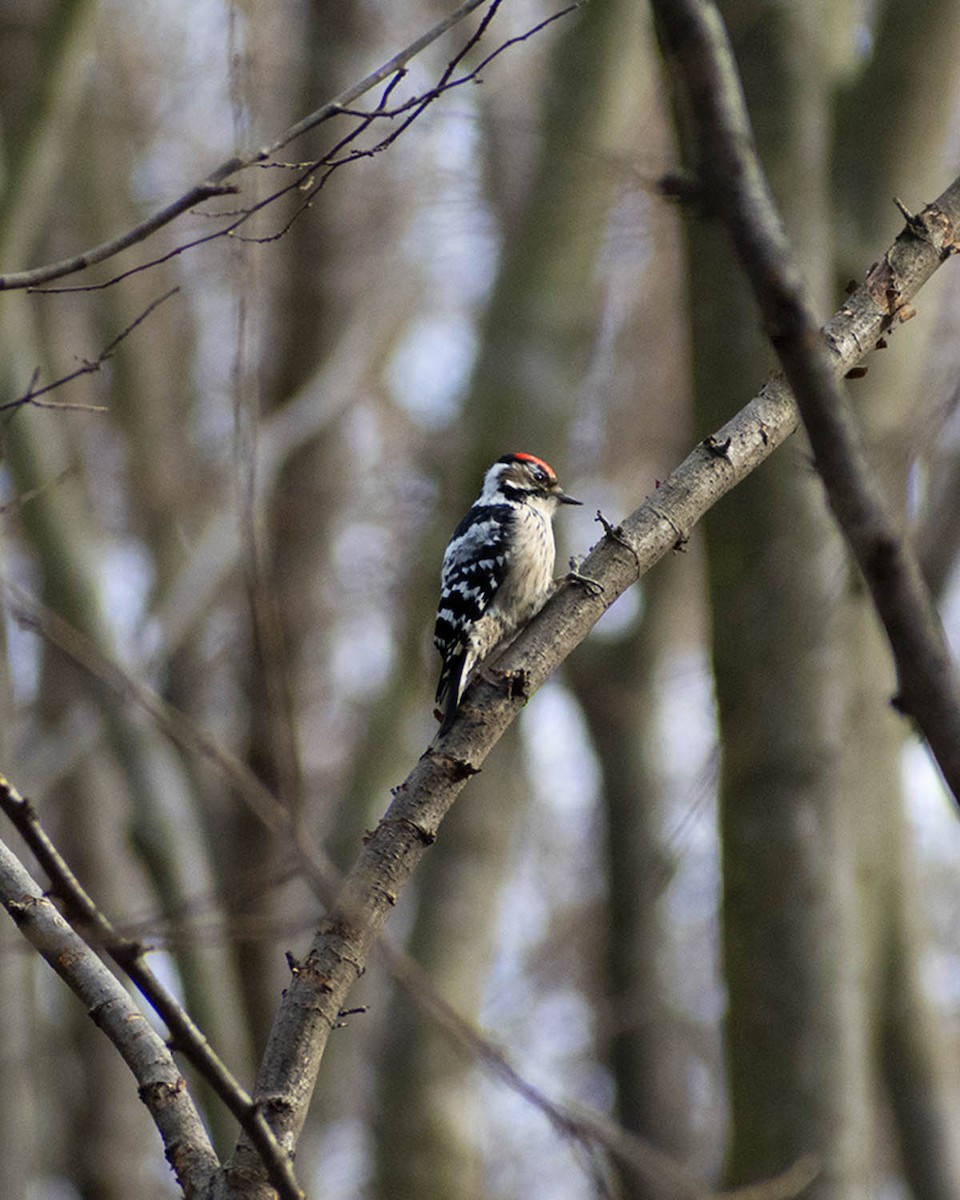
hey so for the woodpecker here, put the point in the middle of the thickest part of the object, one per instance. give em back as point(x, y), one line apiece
point(497, 570)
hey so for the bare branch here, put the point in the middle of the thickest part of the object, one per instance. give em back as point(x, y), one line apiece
point(95, 928)
point(161, 1086)
point(32, 394)
point(929, 689)
point(215, 183)
point(139, 233)
point(71, 642)
point(584, 1128)
point(346, 98)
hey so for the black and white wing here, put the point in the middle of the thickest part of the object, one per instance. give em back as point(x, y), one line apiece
point(474, 567)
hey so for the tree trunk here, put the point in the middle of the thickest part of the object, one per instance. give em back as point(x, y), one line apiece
point(798, 1023)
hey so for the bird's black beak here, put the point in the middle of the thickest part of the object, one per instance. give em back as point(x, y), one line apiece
point(565, 499)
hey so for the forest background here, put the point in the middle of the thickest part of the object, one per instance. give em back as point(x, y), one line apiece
point(703, 895)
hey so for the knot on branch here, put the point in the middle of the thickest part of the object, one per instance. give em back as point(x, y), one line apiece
point(425, 836)
point(516, 684)
point(459, 768)
point(161, 1093)
point(934, 226)
point(717, 449)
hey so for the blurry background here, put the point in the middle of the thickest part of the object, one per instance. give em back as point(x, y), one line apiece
point(709, 884)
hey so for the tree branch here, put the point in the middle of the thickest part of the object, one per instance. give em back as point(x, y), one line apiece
point(588, 1129)
point(161, 1086)
point(390, 855)
point(929, 690)
point(88, 367)
point(215, 182)
point(129, 955)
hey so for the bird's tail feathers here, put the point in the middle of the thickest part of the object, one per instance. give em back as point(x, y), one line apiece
point(450, 688)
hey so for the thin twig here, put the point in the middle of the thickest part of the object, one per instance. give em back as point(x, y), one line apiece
point(23, 498)
point(324, 167)
point(391, 67)
point(32, 394)
point(16, 280)
point(215, 183)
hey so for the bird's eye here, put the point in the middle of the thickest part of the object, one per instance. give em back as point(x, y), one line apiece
point(539, 474)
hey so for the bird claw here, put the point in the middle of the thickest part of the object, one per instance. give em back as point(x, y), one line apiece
point(593, 586)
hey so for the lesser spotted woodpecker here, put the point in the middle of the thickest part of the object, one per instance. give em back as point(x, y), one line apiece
point(497, 570)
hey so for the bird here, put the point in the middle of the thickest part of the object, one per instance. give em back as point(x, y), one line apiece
point(497, 570)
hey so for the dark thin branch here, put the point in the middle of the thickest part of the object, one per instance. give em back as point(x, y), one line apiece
point(332, 160)
point(129, 955)
point(346, 98)
point(161, 1086)
point(415, 105)
point(929, 689)
point(139, 233)
point(411, 109)
point(33, 393)
point(658, 1172)
point(240, 217)
point(390, 855)
point(215, 183)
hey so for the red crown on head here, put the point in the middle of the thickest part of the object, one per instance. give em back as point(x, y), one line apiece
point(530, 458)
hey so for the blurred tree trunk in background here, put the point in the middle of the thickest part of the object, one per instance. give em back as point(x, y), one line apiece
point(177, 830)
point(891, 102)
point(289, 60)
point(92, 1112)
point(649, 1043)
point(798, 1020)
point(811, 810)
point(251, 525)
point(650, 1055)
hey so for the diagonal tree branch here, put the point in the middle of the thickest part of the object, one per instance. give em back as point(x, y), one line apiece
point(161, 1086)
point(929, 689)
point(587, 1129)
point(390, 855)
